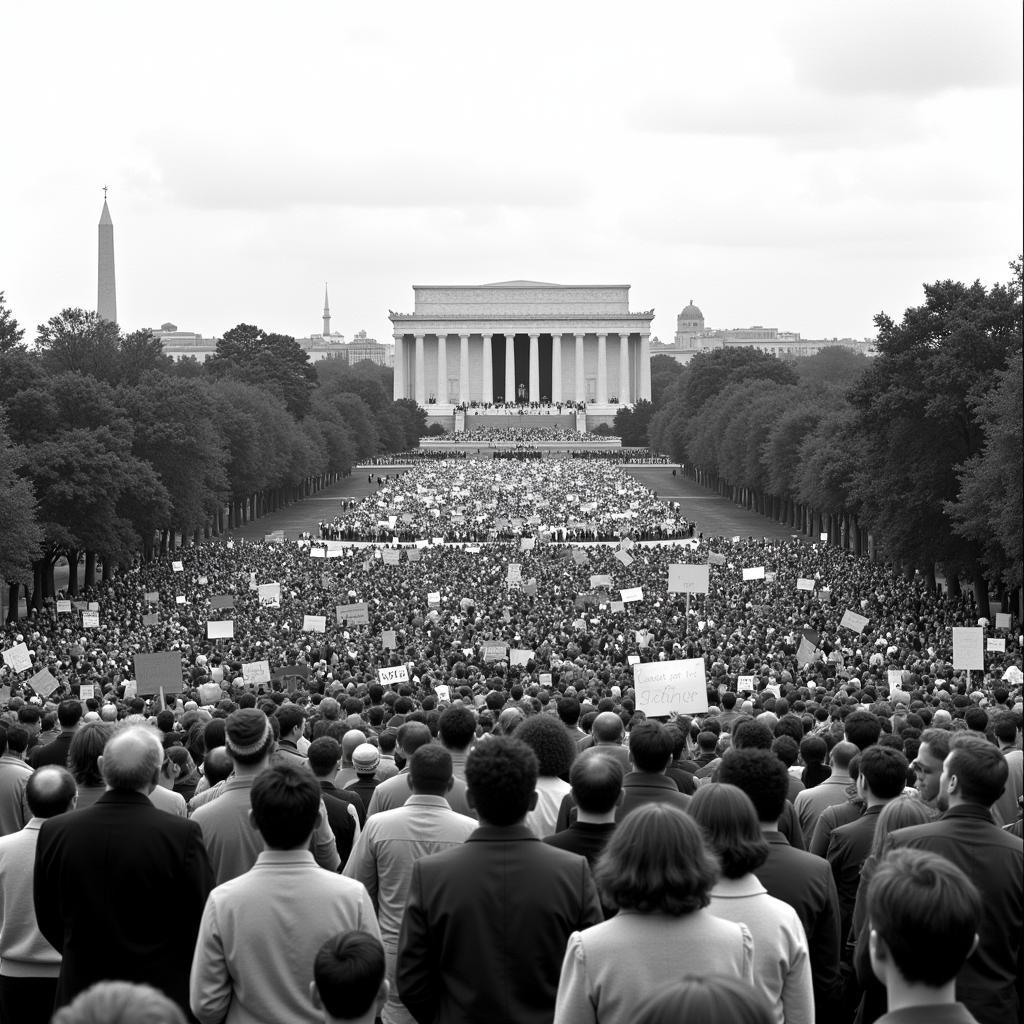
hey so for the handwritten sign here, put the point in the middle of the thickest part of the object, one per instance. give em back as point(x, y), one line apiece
point(515, 572)
point(152, 619)
point(43, 683)
point(222, 601)
point(86, 691)
point(63, 607)
point(633, 659)
point(493, 651)
point(802, 584)
point(160, 669)
point(270, 595)
point(746, 683)
point(666, 686)
point(714, 558)
point(434, 598)
point(18, 658)
point(1002, 620)
point(851, 620)
point(357, 614)
point(314, 623)
point(256, 672)
point(90, 620)
point(632, 594)
point(688, 579)
point(617, 606)
point(996, 645)
point(600, 581)
point(625, 557)
point(222, 629)
point(443, 693)
point(519, 657)
point(391, 556)
point(392, 675)
point(389, 640)
point(895, 678)
point(968, 647)
point(754, 573)
point(177, 567)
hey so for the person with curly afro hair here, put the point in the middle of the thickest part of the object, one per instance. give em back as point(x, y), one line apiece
point(555, 751)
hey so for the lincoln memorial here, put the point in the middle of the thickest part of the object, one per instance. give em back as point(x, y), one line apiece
point(521, 342)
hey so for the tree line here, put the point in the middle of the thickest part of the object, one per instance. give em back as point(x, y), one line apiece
point(110, 451)
point(913, 456)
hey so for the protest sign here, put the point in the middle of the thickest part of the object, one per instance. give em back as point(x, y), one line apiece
point(544, 679)
point(80, 606)
point(493, 651)
point(152, 596)
point(433, 598)
point(389, 640)
point(527, 543)
point(179, 599)
point(802, 584)
point(153, 619)
point(222, 601)
point(357, 614)
point(737, 539)
point(519, 657)
point(160, 669)
point(393, 674)
point(515, 572)
point(413, 554)
point(202, 581)
point(18, 658)
point(579, 555)
point(617, 606)
point(823, 536)
point(754, 573)
point(625, 557)
point(252, 581)
point(256, 672)
point(666, 686)
point(714, 558)
point(633, 659)
point(600, 581)
point(90, 620)
point(93, 606)
point(851, 620)
point(688, 579)
point(442, 691)
point(314, 623)
point(632, 594)
point(746, 683)
point(131, 689)
point(1002, 620)
point(220, 629)
point(895, 678)
point(626, 543)
point(63, 607)
point(86, 691)
point(391, 556)
point(317, 553)
point(177, 567)
point(643, 638)
point(43, 683)
point(270, 595)
point(968, 647)
point(996, 645)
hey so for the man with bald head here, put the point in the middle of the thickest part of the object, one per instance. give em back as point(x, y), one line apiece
point(102, 873)
point(607, 732)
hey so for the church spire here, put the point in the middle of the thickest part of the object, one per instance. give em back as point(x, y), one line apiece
point(327, 313)
point(106, 291)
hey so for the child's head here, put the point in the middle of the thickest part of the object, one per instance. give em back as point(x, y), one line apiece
point(924, 914)
point(348, 977)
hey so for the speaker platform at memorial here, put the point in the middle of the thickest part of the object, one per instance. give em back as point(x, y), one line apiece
point(522, 348)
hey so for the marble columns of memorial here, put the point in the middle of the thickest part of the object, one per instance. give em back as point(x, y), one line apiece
point(479, 358)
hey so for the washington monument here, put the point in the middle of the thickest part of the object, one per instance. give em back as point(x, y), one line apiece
point(106, 293)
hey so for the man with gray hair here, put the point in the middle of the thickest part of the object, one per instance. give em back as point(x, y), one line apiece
point(100, 873)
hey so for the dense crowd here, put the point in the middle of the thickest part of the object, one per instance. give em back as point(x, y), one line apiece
point(373, 704)
point(522, 408)
point(525, 435)
point(630, 456)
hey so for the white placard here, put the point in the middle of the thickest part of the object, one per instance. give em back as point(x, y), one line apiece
point(633, 659)
point(802, 584)
point(968, 648)
point(392, 674)
point(746, 683)
point(314, 623)
point(270, 595)
point(617, 606)
point(256, 672)
point(625, 557)
point(90, 620)
point(86, 691)
point(600, 581)
point(202, 581)
point(434, 598)
point(180, 599)
point(632, 594)
point(519, 656)
point(94, 606)
point(443, 693)
point(43, 683)
point(688, 579)
point(666, 686)
point(851, 620)
point(756, 573)
point(823, 537)
point(63, 607)
point(515, 572)
point(220, 629)
point(895, 677)
point(1002, 619)
point(177, 567)
point(18, 658)
point(527, 543)
point(996, 645)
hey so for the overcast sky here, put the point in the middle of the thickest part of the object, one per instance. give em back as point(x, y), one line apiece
point(801, 165)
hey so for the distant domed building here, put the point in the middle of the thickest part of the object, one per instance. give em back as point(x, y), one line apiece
point(689, 324)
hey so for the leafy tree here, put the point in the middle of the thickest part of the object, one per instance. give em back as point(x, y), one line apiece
point(709, 373)
point(988, 508)
point(80, 341)
point(665, 372)
point(20, 534)
point(836, 366)
point(631, 424)
point(140, 353)
point(10, 331)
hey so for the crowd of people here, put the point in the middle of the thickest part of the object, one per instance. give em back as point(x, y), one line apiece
point(522, 408)
point(630, 456)
point(518, 435)
point(834, 831)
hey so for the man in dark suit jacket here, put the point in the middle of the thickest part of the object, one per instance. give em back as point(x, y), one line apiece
point(974, 774)
point(596, 781)
point(793, 876)
point(69, 712)
point(486, 923)
point(651, 746)
point(103, 874)
point(882, 778)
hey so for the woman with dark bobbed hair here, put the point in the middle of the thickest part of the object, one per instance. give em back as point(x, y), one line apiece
point(83, 760)
point(657, 871)
point(713, 999)
point(782, 968)
point(547, 737)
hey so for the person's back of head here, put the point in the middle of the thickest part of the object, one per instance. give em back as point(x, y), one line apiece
point(18, 738)
point(387, 741)
point(69, 713)
point(786, 750)
point(217, 765)
point(120, 1002)
point(862, 729)
point(596, 780)
point(790, 725)
point(761, 775)
point(285, 803)
point(752, 734)
point(430, 770)
point(710, 999)
point(551, 743)
point(813, 750)
point(248, 736)
point(883, 771)
point(457, 727)
point(976, 719)
point(165, 720)
point(50, 791)
point(1004, 727)
point(923, 914)
point(608, 728)
point(650, 747)
point(323, 756)
point(501, 778)
point(707, 741)
point(132, 759)
point(412, 736)
point(568, 710)
point(976, 772)
point(348, 978)
point(842, 754)
point(728, 700)
point(290, 717)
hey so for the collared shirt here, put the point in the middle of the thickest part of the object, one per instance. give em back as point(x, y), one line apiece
point(391, 844)
point(935, 1013)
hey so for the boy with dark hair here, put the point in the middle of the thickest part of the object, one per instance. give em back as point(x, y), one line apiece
point(924, 915)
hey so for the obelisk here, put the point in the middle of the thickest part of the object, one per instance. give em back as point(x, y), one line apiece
point(106, 292)
point(327, 313)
